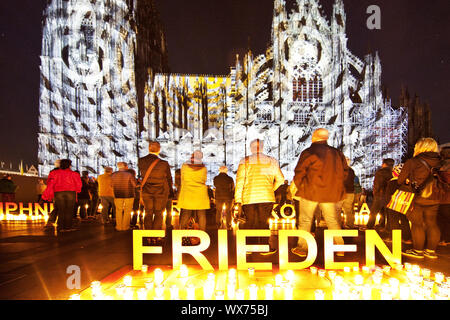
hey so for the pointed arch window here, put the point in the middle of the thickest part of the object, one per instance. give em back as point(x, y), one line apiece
point(308, 90)
point(88, 32)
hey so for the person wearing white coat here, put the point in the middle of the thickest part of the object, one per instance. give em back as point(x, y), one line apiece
point(257, 178)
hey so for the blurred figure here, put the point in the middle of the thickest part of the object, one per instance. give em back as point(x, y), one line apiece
point(257, 178)
point(224, 195)
point(423, 216)
point(93, 210)
point(40, 188)
point(319, 179)
point(8, 189)
point(124, 184)
point(444, 208)
point(157, 188)
point(349, 198)
point(106, 195)
point(54, 214)
point(84, 196)
point(382, 177)
point(193, 197)
point(62, 186)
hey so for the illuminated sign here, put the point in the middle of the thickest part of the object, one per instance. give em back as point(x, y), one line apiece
point(372, 238)
point(9, 208)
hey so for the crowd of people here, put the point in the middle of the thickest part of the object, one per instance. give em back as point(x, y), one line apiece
point(324, 186)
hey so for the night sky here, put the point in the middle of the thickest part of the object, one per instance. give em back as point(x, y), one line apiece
point(204, 36)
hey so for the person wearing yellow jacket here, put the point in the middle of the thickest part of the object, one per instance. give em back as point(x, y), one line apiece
point(193, 198)
point(257, 178)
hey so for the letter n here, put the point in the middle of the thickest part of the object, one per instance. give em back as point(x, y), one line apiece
point(373, 240)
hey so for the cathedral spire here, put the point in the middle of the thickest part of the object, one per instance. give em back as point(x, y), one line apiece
point(338, 20)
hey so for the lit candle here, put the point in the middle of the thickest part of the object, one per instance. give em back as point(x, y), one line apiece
point(159, 292)
point(96, 288)
point(127, 281)
point(416, 269)
point(231, 274)
point(439, 277)
point(355, 269)
point(313, 270)
point(321, 273)
point(319, 294)
point(158, 276)
point(149, 284)
point(367, 292)
point(240, 294)
point(142, 294)
point(120, 290)
point(386, 292)
point(251, 272)
point(75, 297)
point(408, 266)
point(253, 291)
point(377, 278)
point(426, 273)
point(338, 282)
point(278, 280)
point(184, 272)
point(387, 269)
point(290, 276)
point(404, 291)
point(219, 295)
point(190, 290)
point(268, 289)
point(174, 292)
point(346, 269)
point(288, 291)
point(144, 268)
point(359, 280)
point(129, 293)
point(231, 289)
point(394, 283)
point(332, 274)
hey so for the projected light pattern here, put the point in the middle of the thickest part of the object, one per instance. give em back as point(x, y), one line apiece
point(306, 79)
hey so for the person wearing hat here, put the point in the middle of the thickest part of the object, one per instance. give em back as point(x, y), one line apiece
point(193, 198)
point(395, 220)
point(106, 195)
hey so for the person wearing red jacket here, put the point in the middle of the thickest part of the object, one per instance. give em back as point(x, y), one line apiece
point(63, 185)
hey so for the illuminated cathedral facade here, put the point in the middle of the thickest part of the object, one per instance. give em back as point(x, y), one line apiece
point(306, 79)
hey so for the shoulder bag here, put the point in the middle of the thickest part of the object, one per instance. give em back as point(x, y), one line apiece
point(147, 175)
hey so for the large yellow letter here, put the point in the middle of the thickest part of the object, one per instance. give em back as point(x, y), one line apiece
point(283, 240)
point(222, 237)
point(242, 248)
point(139, 249)
point(331, 248)
point(373, 240)
point(195, 251)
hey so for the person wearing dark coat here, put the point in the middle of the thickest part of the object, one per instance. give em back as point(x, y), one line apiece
point(423, 215)
point(224, 195)
point(157, 189)
point(319, 180)
point(444, 208)
point(8, 189)
point(382, 177)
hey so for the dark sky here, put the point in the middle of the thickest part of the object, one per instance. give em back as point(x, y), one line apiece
point(203, 37)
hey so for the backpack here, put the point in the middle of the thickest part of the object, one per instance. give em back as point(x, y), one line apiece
point(437, 185)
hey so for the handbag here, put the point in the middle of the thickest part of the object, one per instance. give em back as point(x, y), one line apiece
point(401, 201)
point(147, 174)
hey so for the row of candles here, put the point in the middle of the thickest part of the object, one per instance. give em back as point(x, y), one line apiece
point(354, 284)
point(23, 217)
